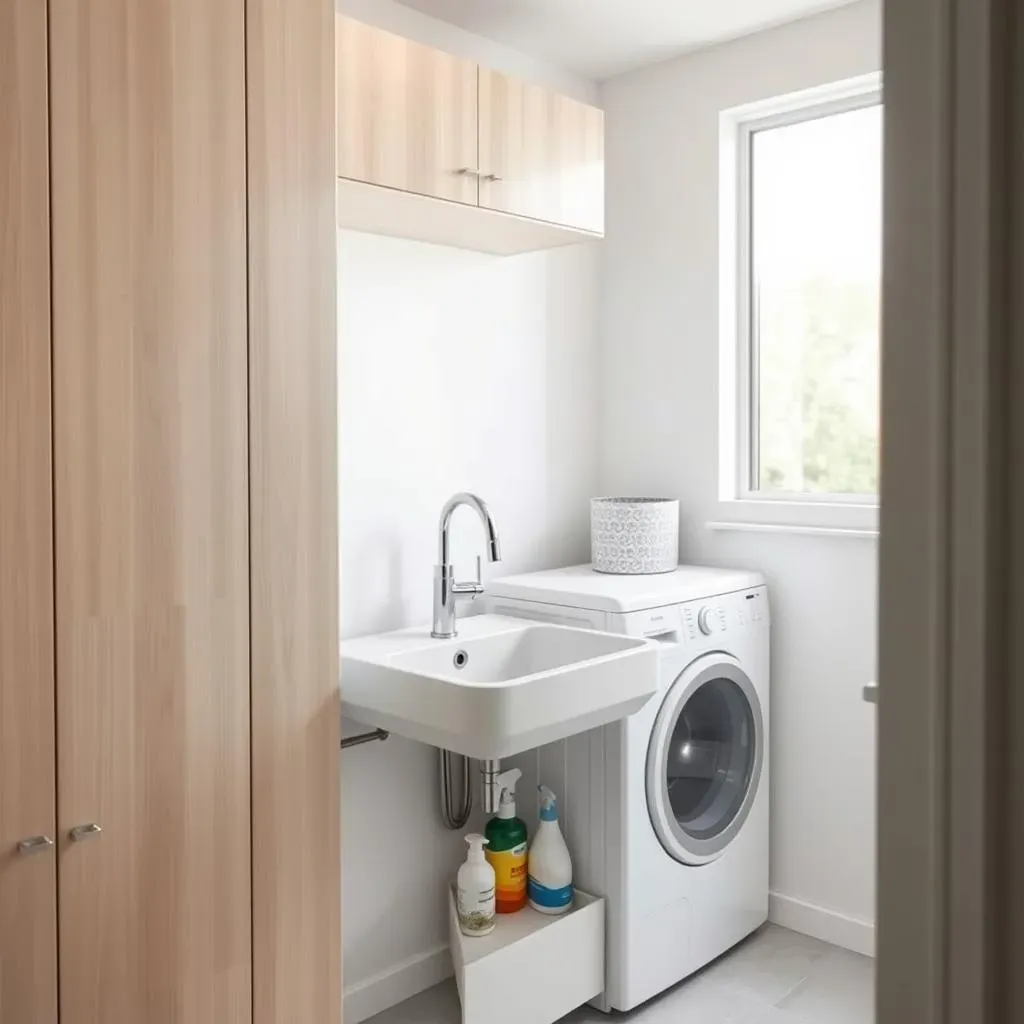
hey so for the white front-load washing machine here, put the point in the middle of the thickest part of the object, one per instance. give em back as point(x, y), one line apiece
point(665, 812)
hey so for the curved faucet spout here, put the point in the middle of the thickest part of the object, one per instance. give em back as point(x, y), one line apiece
point(446, 588)
point(481, 509)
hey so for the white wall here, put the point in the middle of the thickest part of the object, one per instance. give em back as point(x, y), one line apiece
point(659, 425)
point(457, 371)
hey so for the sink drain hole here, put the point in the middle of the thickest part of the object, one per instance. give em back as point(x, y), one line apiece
point(461, 659)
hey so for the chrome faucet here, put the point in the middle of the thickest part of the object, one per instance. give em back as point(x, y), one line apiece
point(446, 589)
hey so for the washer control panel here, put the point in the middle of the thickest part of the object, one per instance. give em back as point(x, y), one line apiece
point(709, 621)
point(721, 615)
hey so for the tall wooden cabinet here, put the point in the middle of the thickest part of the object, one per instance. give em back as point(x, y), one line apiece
point(151, 510)
point(293, 513)
point(28, 898)
point(169, 715)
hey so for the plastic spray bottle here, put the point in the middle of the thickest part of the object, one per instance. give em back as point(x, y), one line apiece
point(550, 870)
point(506, 850)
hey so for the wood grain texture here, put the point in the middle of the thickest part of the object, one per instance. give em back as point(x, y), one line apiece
point(151, 495)
point(296, 712)
point(406, 114)
point(28, 906)
point(547, 149)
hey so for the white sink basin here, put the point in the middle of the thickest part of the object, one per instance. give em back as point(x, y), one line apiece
point(503, 685)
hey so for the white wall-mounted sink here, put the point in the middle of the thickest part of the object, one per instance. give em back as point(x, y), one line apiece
point(503, 685)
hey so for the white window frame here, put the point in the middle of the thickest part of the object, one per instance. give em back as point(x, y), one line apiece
point(740, 506)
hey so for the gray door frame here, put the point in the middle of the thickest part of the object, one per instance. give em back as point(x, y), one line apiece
point(951, 581)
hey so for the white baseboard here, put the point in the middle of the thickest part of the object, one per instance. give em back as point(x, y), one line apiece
point(827, 925)
point(396, 984)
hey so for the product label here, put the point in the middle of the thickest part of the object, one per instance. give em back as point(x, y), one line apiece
point(510, 877)
point(542, 896)
point(476, 909)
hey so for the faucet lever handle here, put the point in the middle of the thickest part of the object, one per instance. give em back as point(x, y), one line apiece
point(471, 588)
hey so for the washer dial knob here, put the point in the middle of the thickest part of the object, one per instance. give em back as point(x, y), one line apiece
point(704, 621)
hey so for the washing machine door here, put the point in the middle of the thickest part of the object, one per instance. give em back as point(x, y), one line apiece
point(704, 759)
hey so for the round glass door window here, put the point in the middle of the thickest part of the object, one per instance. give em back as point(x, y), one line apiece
point(704, 759)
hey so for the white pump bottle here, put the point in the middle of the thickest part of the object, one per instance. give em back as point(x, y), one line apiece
point(475, 890)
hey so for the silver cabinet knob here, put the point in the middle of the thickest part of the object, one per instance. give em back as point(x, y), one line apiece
point(35, 844)
point(80, 832)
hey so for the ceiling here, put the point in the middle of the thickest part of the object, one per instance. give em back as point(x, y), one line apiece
point(602, 38)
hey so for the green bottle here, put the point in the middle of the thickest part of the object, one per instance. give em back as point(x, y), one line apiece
point(506, 849)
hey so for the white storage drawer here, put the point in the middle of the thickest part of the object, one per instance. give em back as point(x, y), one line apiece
point(533, 968)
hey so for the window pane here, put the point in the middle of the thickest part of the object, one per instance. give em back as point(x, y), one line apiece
point(816, 275)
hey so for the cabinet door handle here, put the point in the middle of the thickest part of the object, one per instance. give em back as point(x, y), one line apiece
point(493, 177)
point(35, 844)
point(80, 832)
point(471, 172)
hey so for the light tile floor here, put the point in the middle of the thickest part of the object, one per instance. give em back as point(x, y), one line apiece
point(774, 977)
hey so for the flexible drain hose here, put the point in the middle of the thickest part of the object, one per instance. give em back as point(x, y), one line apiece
point(453, 819)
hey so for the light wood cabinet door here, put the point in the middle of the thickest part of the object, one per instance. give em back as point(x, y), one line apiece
point(28, 904)
point(151, 510)
point(541, 153)
point(407, 114)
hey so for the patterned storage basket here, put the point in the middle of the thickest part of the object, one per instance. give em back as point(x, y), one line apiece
point(634, 536)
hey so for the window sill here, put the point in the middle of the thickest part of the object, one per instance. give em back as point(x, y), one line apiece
point(807, 531)
point(819, 519)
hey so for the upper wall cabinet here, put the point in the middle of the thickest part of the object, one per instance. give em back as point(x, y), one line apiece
point(515, 166)
point(541, 153)
point(407, 114)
